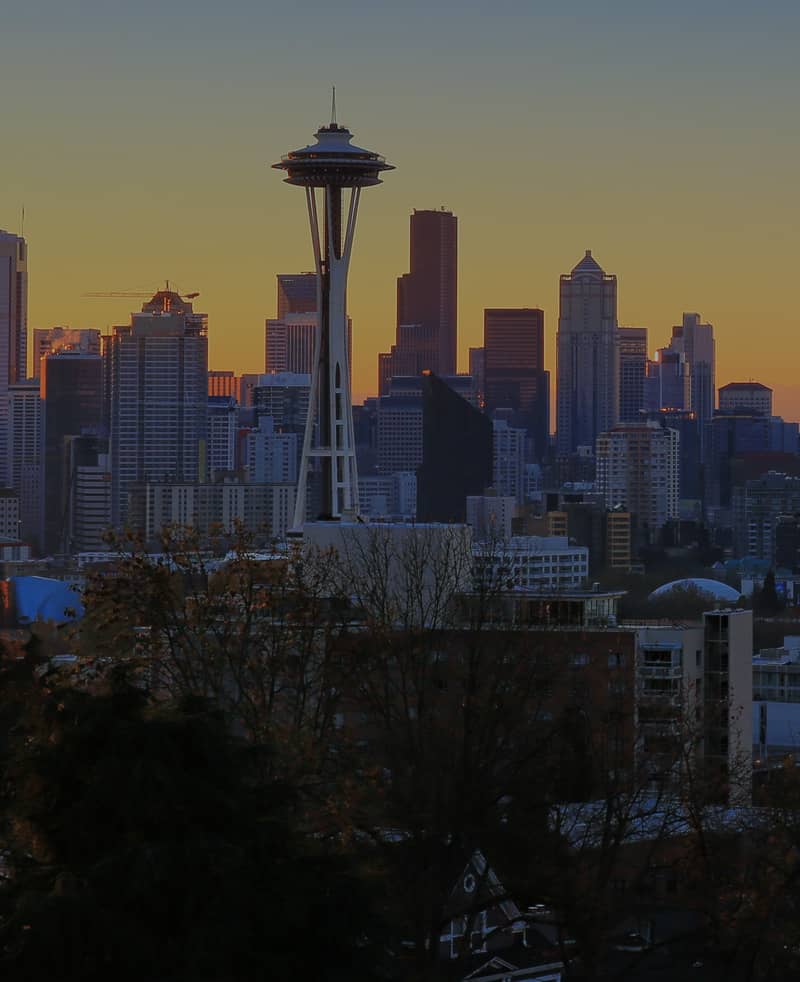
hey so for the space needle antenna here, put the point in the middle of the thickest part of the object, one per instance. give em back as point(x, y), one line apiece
point(333, 172)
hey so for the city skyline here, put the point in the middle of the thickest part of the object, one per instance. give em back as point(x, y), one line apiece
point(683, 195)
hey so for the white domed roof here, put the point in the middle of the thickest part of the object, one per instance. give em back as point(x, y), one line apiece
point(713, 588)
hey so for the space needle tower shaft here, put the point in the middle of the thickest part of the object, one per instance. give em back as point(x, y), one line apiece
point(333, 172)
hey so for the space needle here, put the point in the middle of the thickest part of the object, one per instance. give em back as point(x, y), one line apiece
point(332, 165)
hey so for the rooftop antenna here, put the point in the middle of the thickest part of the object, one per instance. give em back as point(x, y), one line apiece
point(333, 105)
point(22, 224)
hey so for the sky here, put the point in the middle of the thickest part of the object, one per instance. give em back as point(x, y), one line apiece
point(663, 137)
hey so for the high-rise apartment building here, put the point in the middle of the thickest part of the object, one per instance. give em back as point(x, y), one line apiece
point(427, 302)
point(513, 365)
point(159, 382)
point(24, 455)
point(588, 386)
point(508, 453)
point(13, 329)
point(72, 406)
point(632, 372)
point(223, 428)
point(638, 471)
point(48, 341)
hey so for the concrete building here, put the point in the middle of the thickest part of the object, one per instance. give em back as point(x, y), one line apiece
point(272, 456)
point(491, 516)
point(588, 361)
point(13, 329)
point(159, 393)
point(9, 515)
point(508, 455)
point(90, 494)
point(533, 562)
point(758, 506)
point(223, 426)
point(389, 496)
point(638, 471)
point(745, 397)
point(220, 508)
point(24, 455)
point(399, 433)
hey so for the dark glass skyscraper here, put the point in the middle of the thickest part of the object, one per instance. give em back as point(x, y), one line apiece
point(427, 300)
point(456, 453)
point(72, 406)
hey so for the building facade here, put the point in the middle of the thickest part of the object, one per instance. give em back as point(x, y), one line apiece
point(638, 471)
point(13, 329)
point(159, 382)
point(427, 301)
point(588, 362)
point(632, 372)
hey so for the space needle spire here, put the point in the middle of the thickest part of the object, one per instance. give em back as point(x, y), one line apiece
point(333, 172)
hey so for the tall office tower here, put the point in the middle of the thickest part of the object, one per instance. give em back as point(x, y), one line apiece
point(508, 453)
point(72, 405)
point(427, 301)
point(638, 471)
point(24, 455)
point(588, 388)
point(456, 453)
point(632, 372)
point(223, 429)
point(333, 165)
point(690, 481)
point(297, 294)
point(159, 384)
point(223, 384)
point(696, 341)
point(745, 397)
point(668, 382)
point(13, 329)
point(514, 376)
point(47, 341)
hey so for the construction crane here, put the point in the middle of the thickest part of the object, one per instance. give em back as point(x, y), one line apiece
point(136, 294)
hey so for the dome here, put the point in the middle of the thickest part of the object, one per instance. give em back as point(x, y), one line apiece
point(713, 589)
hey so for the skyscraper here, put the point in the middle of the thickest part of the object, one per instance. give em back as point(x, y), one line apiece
point(333, 165)
point(696, 342)
point(588, 387)
point(513, 366)
point(632, 372)
point(72, 406)
point(427, 301)
point(159, 382)
point(13, 328)
point(456, 453)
